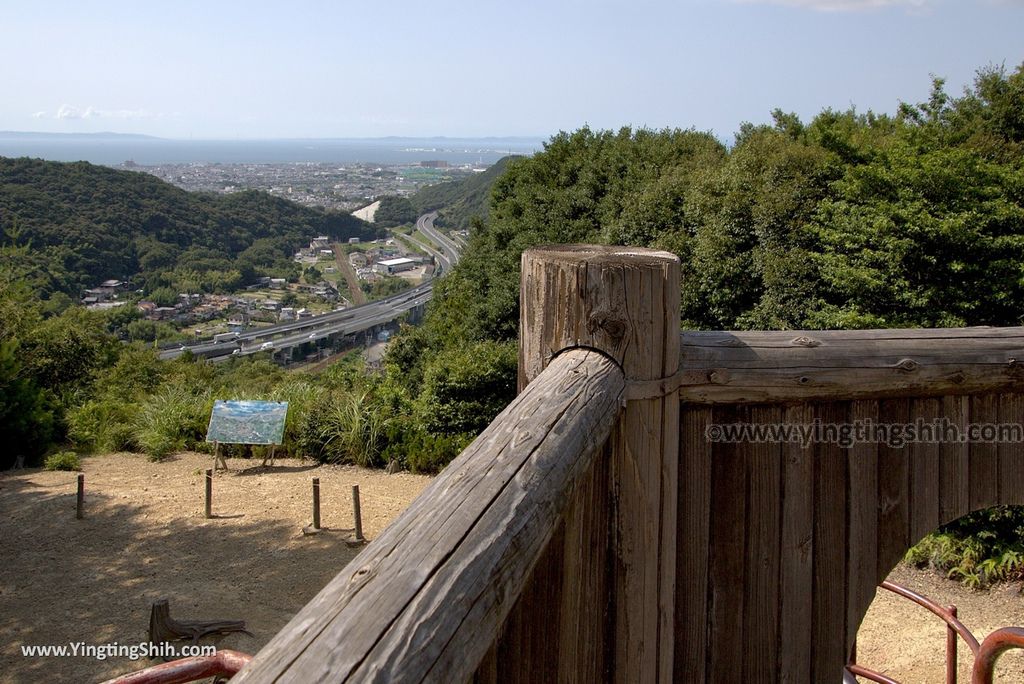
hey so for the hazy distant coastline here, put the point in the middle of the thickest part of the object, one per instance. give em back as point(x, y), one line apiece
point(115, 148)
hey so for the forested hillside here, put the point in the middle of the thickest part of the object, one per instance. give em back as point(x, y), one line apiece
point(85, 223)
point(460, 200)
point(851, 220)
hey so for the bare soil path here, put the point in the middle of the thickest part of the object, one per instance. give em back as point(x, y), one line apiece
point(144, 537)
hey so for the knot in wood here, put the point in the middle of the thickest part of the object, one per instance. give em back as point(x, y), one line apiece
point(609, 322)
point(907, 365)
point(804, 341)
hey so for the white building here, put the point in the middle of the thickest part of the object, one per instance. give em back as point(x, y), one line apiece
point(393, 266)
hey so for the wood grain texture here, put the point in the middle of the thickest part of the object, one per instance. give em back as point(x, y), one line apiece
point(727, 554)
point(862, 536)
point(924, 468)
point(585, 614)
point(830, 544)
point(426, 599)
point(796, 554)
point(1011, 451)
point(761, 583)
point(692, 545)
point(623, 302)
point(984, 487)
point(727, 367)
point(893, 492)
point(954, 463)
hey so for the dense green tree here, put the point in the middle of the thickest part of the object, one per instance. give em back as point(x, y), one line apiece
point(26, 421)
point(394, 211)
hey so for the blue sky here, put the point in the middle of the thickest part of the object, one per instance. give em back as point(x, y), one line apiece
point(219, 69)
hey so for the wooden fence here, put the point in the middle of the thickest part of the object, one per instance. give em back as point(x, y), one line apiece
point(606, 527)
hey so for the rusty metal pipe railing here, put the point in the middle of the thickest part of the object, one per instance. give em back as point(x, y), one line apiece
point(954, 629)
point(225, 663)
point(868, 674)
point(994, 645)
point(947, 616)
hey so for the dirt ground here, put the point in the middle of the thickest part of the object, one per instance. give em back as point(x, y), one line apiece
point(908, 643)
point(144, 537)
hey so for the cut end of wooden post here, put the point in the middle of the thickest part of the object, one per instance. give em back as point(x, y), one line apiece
point(622, 301)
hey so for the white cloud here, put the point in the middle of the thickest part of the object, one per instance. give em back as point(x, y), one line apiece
point(67, 111)
point(841, 5)
point(39, 115)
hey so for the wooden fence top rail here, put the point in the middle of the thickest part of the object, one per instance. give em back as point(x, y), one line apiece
point(426, 600)
point(800, 365)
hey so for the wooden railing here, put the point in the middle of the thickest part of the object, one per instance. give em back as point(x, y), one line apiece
point(594, 532)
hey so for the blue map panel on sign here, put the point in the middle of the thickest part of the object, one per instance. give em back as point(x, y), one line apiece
point(247, 422)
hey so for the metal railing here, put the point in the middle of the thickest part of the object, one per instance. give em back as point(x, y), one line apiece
point(985, 653)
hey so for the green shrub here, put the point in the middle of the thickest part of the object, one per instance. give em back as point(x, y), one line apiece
point(303, 397)
point(63, 460)
point(978, 549)
point(172, 420)
point(103, 425)
point(422, 452)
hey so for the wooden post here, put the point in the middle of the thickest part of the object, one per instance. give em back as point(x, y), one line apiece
point(356, 513)
point(623, 302)
point(80, 504)
point(316, 503)
point(209, 493)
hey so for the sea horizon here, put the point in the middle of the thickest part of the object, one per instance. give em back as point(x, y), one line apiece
point(112, 149)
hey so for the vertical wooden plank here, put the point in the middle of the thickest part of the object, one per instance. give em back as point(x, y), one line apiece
point(797, 554)
point(487, 671)
point(694, 519)
point(862, 517)
point(667, 317)
point(584, 611)
point(954, 461)
point(669, 555)
point(984, 459)
point(924, 469)
point(761, 585)
point(830, 544)
point(528, 649)
point(1011, 453)
point(635, 473)
point(893, 491)
point(728, 544)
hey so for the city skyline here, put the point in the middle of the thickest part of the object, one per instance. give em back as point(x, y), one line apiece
point(341, 70)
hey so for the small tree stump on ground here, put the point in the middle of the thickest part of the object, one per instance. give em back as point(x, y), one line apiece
point(163, 628)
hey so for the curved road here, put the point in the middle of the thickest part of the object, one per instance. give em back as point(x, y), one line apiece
point(344, 322)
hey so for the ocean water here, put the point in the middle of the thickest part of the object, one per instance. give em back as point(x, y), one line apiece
point(149, 151)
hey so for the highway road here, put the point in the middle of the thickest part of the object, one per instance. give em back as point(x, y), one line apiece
point(344, 322)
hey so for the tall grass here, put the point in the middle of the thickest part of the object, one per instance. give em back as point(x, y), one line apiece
point(173, 419)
